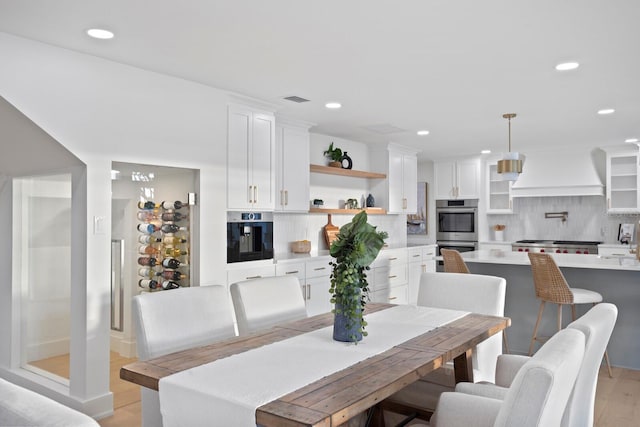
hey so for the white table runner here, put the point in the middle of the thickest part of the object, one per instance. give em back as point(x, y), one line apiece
point(227, 392)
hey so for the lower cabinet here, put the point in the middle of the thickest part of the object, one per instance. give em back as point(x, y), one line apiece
point(315, 287)
point(388, 277)
point(421, 259)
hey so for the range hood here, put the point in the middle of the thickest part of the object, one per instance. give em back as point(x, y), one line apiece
point(561, 172)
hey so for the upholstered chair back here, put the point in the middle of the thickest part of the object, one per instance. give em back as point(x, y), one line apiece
point(265, 302)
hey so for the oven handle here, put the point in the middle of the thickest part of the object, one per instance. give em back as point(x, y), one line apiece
point(454, 243)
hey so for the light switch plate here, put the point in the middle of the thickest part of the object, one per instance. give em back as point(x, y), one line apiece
point(99, 225)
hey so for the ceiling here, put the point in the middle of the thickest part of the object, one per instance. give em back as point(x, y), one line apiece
point(450, 67)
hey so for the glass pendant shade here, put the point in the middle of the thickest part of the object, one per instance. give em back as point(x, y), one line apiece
point(510, 167)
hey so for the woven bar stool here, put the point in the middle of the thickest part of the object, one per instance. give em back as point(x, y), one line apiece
point(453, 263)
point(551, 286)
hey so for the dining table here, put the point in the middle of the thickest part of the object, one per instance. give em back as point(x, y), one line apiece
point(295, 374)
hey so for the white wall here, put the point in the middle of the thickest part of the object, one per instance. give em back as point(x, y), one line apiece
point(103, 111)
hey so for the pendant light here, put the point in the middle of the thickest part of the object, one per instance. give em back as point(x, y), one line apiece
point(510, 167)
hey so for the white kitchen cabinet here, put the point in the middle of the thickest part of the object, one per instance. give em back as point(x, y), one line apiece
point(399, 192)
point(421, 259)
point(457, 179)
point(388, 277)
point(499, 198)
point(250, 159)
point(238, 273)
point(622, 181)
point(316, 286)
point(292, 168)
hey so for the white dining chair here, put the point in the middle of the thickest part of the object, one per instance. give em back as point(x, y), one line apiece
point(264, 302)
point(457, 291)
point(170, 321)
point(22, 407)
point(538, 394)
point(597, 325)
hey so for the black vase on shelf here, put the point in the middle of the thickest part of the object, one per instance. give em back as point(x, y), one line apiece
point(346, 161)
point(371, 202)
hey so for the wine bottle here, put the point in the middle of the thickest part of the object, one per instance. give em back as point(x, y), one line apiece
point(148, 228)
point(172, 263)
point(148, 250)
point(147, 239)
point(148, 272)
point(173, 216)
point(147, 216)
point(173, 275)
point(172, 205)
point(169, 284)
point(148, 261)
point(172, 228)
point(173, 241)
point(148, 205)
point(147, 283)
point(174, 252)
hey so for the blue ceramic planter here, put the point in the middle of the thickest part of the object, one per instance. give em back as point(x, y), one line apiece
point(340, 330)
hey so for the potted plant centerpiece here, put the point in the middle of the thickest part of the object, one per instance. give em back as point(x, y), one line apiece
point(334, 155)
point(357, 245)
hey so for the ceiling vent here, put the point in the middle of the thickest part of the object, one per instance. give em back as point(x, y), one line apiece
point(384, 129)
point(297, 99)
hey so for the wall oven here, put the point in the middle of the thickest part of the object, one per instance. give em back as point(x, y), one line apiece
point(249, 236)
point(457, 220)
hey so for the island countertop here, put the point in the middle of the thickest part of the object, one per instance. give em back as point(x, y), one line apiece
point(608, 262)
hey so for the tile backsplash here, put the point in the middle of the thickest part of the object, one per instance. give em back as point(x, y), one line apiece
point(587, 219)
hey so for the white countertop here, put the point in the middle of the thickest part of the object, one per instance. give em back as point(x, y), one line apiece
point(563, 260)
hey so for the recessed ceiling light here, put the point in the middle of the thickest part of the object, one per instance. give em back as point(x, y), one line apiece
point(333, 105)
point(631, 140)
point(423, 132)
point(98, 33)
point(485, 152)
point(565, 66)
point(606, 111)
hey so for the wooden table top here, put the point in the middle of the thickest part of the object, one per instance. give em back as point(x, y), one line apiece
point(336, 398)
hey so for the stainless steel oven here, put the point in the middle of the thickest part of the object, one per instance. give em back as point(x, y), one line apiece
point(249, 236)
point(457, 220)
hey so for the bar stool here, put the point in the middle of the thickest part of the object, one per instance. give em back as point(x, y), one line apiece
point(453, 263)
point(551, 286)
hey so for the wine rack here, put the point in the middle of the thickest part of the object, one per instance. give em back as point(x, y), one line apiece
point(163, 245)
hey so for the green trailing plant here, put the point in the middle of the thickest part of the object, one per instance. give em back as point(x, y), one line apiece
point(335, 154)
point(356, 247)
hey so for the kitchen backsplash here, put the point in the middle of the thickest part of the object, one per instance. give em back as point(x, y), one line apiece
point(290, 227)
point(587, 219)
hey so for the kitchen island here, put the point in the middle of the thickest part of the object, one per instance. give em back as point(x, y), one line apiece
point(616, 278)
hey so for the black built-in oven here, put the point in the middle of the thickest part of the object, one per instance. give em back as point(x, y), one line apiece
point(249, 236)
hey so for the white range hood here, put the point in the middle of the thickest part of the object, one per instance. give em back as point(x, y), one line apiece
point(561, 172)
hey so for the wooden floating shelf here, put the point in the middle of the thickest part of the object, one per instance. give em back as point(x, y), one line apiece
point(347, 211)
point(345, 172)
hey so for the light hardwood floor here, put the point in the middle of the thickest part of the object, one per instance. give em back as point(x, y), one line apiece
point(617, 398)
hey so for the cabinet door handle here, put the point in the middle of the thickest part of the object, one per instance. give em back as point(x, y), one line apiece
point(416, 256)
point(393, 258)
point(303, 288)
point(392, 277)
point(320, 268)
point(404, 203)
point(286, 197)
point(291, 272)
point(309, 291)
point(609, 203)
point(281, 198)
point(250, 191)
point(255, 194)
point(253, 277)
point(392, 298)
point(424, 268)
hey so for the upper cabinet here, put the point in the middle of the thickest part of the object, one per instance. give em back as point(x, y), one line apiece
point(457, 179)
point(399, 193)
point(499, 199)
point(622, 180)
point(292, 170)
point(250, 159)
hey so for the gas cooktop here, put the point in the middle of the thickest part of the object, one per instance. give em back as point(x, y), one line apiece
point(556, 246)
